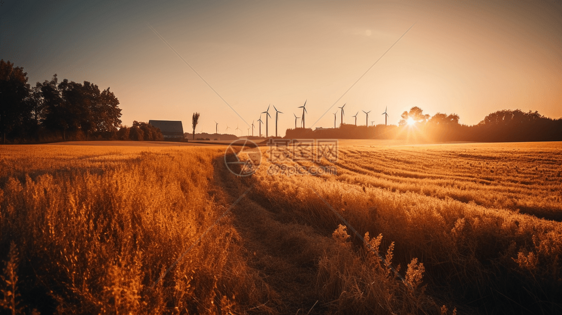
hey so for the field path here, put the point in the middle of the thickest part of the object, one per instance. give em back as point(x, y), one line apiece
point(284, 252)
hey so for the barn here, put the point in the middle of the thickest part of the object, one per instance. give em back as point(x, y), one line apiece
point(171, 129)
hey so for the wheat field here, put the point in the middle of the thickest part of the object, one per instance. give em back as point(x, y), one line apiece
point(403, 229)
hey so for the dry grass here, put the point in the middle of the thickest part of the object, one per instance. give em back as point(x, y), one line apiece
point(89, 230)
point(444, 206)
point(96, 228)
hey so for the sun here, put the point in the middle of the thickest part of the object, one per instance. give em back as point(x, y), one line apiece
point(410, 121)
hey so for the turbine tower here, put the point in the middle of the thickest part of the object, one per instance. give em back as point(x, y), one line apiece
point(261, 122)
point(385, 116)
point(303, 112)
point(366, 118)
point(237, 129)
point(216, 127)
point(227, 128)
point(335, 114)
point(296, 120)
point(267, 121)
point(342, 113)
point(276, 118)
point(252, 128)
point(355, 118)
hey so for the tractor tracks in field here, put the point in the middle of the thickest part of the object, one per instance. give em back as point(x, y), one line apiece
point(283, 252)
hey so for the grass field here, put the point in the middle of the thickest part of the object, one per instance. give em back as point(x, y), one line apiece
point(120, 228)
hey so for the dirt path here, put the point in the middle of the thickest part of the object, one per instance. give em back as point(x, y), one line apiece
point(284, 253)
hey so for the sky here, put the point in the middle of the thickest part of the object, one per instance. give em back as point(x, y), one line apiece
point(229, 59)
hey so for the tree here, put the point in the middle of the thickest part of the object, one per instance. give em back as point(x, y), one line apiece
point(136, 133)
point(444, 119)
point(511, 117)
point(453, 119)
point(108, 112)
point(37, 107)
point(55, 112)
point(123, 133)
point(148, 131)
point(79, 107)
point(14, 91)
point(415, 113)
point(194, 121)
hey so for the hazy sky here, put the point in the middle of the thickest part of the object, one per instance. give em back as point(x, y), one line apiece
point(465, 57)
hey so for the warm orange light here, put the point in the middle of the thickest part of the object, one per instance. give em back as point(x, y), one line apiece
point(410, 121)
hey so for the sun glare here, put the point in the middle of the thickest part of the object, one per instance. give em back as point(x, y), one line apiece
point(410, 121)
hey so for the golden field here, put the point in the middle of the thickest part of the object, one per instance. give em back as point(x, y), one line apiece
point(151, 229)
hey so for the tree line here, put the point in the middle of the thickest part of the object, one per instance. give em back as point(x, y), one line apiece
point(499, 126)
point(61, 110)
point(503, 125)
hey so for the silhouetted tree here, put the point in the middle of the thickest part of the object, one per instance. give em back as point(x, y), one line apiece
point(149, 132)
point(14, 91)
point(136, 133)
point(56, 114)
point(444, 119)
point(123, 133)
point(71, 106)
point(415, 113)
point(108, 111)
point(37, 107)
point(77, 106)
point(194, 122)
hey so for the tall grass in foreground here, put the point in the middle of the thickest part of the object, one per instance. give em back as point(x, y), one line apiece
point(488, 260)
point(95, 237)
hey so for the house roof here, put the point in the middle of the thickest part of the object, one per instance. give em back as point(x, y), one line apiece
point(168, 126)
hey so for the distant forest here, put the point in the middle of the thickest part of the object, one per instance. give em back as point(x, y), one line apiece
point(504, 125)
point(65, 110)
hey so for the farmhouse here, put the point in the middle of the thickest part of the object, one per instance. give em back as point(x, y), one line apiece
point(171, 129)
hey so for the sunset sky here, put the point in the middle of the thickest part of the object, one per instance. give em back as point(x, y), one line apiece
point(465, 57)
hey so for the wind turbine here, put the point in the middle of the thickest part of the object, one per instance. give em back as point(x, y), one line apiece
point(367, 118)
point(355, 118)
point(342, 113)
point(227, 128)
point(385, 116)
point(248, 131)
point(335, 114)
point(372, 122)
point(267, 121)
point(216, 127)
point(303, 112)
point(296, 120)
point(276, 117)
point(252, 128)
point(261, 122)
point(237, 129)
